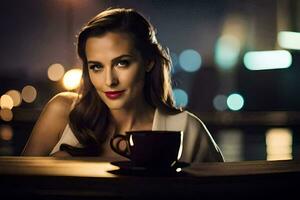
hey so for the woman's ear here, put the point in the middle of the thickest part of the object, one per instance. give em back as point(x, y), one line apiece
point(149, 65)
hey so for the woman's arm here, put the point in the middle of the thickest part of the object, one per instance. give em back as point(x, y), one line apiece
point(50, 125)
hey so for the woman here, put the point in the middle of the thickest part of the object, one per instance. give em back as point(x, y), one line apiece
point(126, 86)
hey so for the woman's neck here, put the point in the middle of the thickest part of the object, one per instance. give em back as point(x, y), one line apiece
point(139, 117)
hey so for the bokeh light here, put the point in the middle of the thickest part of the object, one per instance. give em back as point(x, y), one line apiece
point(190, 60)
point(235, 101)
point(279, 143)
point(227, 51)
point(16, 97)
point(266, 60)
point(180, 97)
point(72, 79)
point(6, 114)
point(56, 72)
point(289, 40)
point(6, 102)
point(231, 143)
point(220, 102)
point(6, 133)
point(29, 94)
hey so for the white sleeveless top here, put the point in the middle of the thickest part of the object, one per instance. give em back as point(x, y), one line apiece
point(198, 144)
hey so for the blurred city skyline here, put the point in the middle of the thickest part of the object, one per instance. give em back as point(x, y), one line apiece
point(36, 34)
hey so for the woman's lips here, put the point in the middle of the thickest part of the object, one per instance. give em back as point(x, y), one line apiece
point(114, 94)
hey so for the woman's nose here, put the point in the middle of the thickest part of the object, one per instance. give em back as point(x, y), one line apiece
point(111, 78)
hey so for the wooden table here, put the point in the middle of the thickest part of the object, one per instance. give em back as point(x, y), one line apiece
point(95, 178)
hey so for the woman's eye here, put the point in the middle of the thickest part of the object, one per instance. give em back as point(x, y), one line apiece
point(96, 67)
point(123, 63)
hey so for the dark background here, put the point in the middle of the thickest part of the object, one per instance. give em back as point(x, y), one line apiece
point(38, 33)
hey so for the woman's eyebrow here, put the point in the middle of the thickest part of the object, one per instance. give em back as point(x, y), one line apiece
point(94, 62)
point(112, 61)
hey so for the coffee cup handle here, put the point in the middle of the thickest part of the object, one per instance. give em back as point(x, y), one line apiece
point(116, 148)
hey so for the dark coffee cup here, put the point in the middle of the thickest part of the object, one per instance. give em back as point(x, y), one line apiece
point(149, 148)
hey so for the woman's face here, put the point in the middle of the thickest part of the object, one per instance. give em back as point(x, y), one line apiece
point(116, 69)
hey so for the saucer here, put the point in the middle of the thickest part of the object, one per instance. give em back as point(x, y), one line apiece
point(128, 165)
point(129, 169)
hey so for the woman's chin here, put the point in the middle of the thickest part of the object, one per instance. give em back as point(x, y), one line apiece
point(115, 106)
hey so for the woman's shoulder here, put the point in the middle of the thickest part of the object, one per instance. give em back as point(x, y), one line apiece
point(179, 120)
point(62, 102)
point(192, 117)
point(65, 97)
point(188, 115)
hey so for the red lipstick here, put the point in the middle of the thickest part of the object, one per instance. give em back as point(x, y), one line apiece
point(114, 94)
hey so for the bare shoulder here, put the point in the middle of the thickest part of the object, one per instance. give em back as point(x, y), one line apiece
point(50, 125)
point(64, 98)
point(62, 102)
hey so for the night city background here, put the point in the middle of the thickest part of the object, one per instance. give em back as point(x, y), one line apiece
point(236, 65)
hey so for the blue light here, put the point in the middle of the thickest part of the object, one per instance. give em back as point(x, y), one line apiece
point(180, 97)
point(264, 60)
point(235, 101)
point(220, 103)
point(190, 60)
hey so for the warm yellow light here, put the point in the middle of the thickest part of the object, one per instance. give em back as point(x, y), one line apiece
point(56, 72)
point(29, 94)
point(6, 133)
point(6, 114)
point(72, 79)
point(279, 144)
point(6, 102)
point(16, 97)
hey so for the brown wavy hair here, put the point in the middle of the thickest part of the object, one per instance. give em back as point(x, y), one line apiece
point(89, 119)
